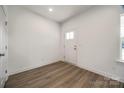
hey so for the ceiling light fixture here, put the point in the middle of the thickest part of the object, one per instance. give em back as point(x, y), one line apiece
point(50, 9)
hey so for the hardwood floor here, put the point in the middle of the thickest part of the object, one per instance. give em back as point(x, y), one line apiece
point(60, 75)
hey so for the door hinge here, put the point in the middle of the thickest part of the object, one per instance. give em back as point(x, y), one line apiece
point(6, 71)
point(6, 23)
point(6, 47)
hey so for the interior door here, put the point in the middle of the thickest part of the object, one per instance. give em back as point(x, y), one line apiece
point(3, 48)
point(70, 47)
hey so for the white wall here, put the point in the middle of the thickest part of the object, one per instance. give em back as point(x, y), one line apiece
point(98, 40)
point(33, 40)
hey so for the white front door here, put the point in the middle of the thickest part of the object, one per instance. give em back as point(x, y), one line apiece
point(70, 47)
point(3, 48)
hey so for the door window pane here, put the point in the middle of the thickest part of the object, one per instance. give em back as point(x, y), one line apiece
point(69, 35)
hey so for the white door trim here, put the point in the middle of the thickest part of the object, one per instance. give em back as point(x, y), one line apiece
point(76, 42)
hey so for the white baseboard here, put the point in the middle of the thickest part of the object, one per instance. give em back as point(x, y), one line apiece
point(29, 68)
point(100, 72)
point(83, 67)
point(105, 74)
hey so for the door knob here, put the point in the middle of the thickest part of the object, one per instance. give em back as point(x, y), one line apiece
point(75, 48)
point(2, 55)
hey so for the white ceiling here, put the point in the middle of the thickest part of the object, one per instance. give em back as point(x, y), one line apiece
point(60, 13)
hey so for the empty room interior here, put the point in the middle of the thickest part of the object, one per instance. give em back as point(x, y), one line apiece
point(62, 46)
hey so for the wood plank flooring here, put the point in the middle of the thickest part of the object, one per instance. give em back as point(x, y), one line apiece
point(60, 75)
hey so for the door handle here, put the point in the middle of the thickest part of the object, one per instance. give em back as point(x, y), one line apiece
point(75, 48)
point(2, 55)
